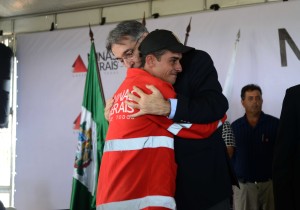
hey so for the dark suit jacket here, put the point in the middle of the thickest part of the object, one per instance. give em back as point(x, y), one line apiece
point(286, 167)
point(203, 177)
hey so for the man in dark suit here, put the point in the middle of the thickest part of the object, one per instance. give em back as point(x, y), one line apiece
point(204, 173)
point(203, 178)
point(286, 165)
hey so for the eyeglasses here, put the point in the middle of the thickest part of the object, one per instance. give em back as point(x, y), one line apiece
point(128, 54)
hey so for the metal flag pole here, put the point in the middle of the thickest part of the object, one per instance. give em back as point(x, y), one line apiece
point(98, 70)
point(229, 77)
point(144, 20)
point(188, 29)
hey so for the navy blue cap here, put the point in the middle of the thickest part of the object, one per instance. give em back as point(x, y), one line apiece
point(162, 40)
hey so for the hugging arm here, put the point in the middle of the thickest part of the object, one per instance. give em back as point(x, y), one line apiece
point(153, 103)
point(199, 93)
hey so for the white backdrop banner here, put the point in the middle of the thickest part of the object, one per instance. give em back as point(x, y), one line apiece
point(51, 81)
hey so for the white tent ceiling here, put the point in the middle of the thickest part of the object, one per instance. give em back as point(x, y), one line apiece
point(11, 8)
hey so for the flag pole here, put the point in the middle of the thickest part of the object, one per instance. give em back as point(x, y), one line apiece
point(98, 70)
point(229, 77)
point(144, 20)
point(188, 29)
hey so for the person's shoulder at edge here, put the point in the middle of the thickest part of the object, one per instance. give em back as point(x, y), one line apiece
point(1, 206)
point(294, 88)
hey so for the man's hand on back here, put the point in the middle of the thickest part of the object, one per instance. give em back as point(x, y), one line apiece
point(153, 103)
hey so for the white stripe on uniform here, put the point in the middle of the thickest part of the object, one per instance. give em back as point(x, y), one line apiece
point(140, 203)
point(138, 143)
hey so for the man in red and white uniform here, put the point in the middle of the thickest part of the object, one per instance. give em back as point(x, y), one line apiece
point(138, 168)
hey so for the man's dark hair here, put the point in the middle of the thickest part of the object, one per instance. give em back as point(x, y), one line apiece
point(130, 29)
point(249, 87)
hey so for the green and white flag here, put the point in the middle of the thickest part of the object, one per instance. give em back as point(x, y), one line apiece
point(93, 127)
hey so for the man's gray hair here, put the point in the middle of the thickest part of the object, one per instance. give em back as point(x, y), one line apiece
point(127, 29)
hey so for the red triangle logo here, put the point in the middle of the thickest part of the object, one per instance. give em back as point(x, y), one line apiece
point(78, 66)
point(77, 122)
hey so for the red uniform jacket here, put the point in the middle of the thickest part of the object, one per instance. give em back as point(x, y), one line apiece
point(138, 168)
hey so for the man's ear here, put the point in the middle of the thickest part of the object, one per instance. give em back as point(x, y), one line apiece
point(150, 60)
point(143, 36)
point(242, 102)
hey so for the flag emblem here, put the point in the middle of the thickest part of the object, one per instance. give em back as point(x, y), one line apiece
point(84, 149)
